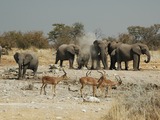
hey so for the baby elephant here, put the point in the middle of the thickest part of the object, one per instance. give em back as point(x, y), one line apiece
point(83, 59)
point(26, 61)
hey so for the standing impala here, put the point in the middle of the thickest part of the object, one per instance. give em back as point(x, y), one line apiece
point(88, 81)
point(104, 82)
point(52, 80)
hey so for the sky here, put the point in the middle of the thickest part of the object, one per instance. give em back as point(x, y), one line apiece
point(112, 17)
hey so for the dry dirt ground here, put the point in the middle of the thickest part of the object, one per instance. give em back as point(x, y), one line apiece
point(21, 99)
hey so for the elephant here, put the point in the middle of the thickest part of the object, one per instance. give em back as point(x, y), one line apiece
point(99, 52)
point(112, 46)
point(126, 52)
point(0, 53)
point(83, 59)
point(113, 57)
point(67, 52)
point(26, 61)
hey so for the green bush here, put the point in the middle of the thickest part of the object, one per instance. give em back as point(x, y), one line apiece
point(24, 40)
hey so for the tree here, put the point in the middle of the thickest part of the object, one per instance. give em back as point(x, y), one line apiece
point(64, 34)
point(148, 35)
point(125, 38)
point(144, 33)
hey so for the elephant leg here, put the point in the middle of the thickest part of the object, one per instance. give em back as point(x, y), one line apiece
point(112, 64)
point(135, 62)
point(71, 63)
point(80, 66)
point(61, 63)
point(92, 65)
point(105, 64)
point(126, 65)
point(119, 65)
point(86, 65)
point(56, 60)
point(98, 64)
point(24, 71)
point(20, 72)
point(138, 63)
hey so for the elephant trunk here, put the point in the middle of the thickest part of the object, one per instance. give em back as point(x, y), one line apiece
point(104, 59)
point(148, 57)
point(20, 71)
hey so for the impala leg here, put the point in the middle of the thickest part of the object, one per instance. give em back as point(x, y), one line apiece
point(106, 91)
point(44, 89)
point(110, 90)
point(41, 89)
point(94, 91)
point(54, 90)
point(102, 90)
point(81, 90)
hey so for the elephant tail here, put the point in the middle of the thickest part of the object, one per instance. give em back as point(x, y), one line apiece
point(118, 78)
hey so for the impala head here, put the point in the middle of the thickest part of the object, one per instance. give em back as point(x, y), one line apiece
point(118, 78)
point(103, 77)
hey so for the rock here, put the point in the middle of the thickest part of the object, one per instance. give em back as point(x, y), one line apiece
point(83, 110)
point(55, 66)
point(59, 118)
point(91, 99)
point(28, 87)
point(72, 88)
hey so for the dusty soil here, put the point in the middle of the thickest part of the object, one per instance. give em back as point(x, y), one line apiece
point(21, 99)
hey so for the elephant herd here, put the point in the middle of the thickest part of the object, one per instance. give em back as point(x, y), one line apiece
point(99, 51)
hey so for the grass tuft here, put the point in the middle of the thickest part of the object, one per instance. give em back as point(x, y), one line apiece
point(137, 103)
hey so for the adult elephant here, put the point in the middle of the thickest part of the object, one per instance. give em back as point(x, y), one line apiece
point(112, 46)
point(126, 52)
point(0, 53)
point(67, 52)
point(26, 61)
point(99, 51)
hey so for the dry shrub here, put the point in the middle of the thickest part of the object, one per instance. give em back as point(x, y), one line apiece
point(136, 104)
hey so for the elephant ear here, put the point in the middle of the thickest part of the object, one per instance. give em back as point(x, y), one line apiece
point(137, 49)
point(16, 57)
point(27, 59)
point(71, 49)
point(95, 42)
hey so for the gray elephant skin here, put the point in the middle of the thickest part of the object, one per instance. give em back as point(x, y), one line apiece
point(112, 46)
point(67, 52)
point(0, 53)
point(126, 52)
point(83, 59)
point(99, 52)
point(26, 61)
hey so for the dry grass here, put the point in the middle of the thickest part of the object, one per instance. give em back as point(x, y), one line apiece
point(137, 103)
